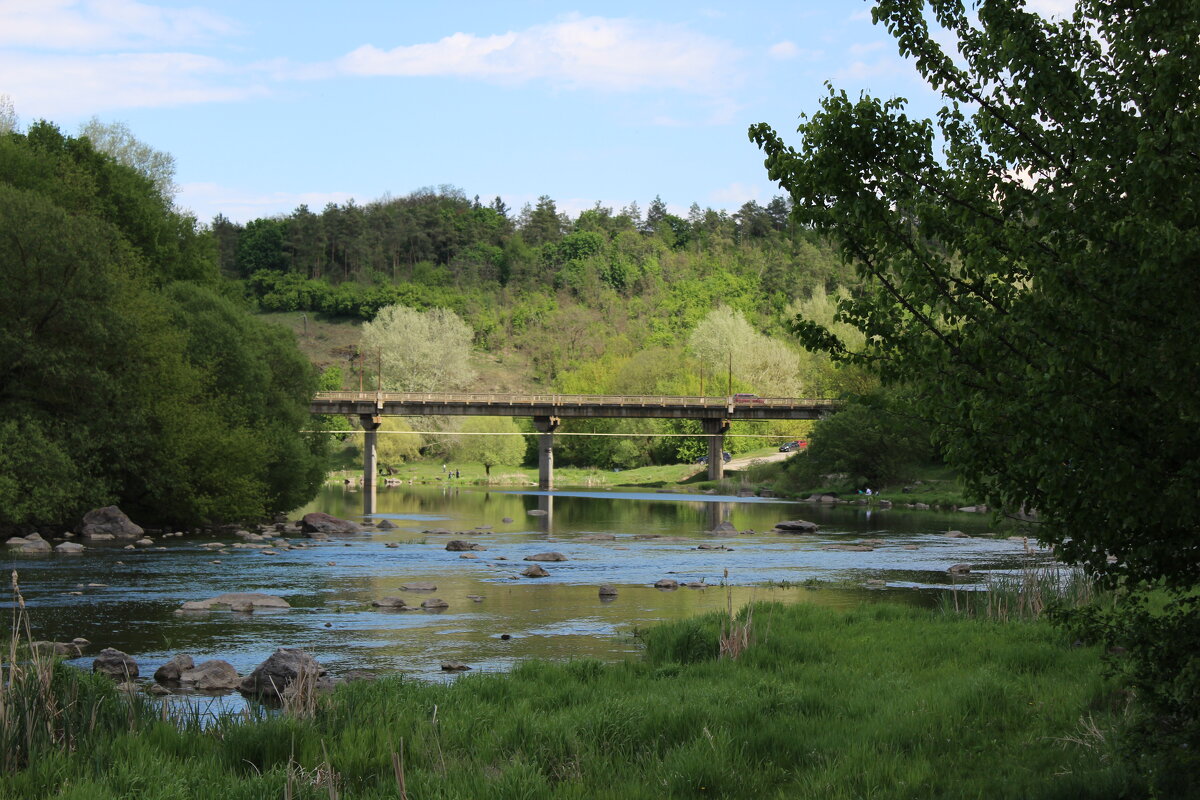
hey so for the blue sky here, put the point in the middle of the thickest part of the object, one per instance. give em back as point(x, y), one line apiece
point(266, 105)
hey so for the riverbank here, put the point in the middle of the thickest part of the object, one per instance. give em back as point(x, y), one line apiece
point(882, 701)
point(759, 472)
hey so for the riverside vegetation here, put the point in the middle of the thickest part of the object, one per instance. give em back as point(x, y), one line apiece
point(769, 701)
point(1009, 288)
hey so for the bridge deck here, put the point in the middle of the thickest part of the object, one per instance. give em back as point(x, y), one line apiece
point(567, 405)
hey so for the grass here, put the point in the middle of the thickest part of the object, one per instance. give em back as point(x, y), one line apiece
point(881, 702)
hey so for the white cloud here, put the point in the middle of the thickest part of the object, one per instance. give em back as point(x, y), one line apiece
point(1048, 8)
point(784, 51)
point(591, 52)
point(862, 48)
point(206, 200)
point(90, 25)
point(734, 196)
point(48, 86)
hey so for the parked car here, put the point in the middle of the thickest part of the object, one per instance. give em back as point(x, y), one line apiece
point(788, 447)
point(725, 456)
point(747, 398)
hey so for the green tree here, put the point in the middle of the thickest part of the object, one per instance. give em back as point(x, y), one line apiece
point(724, 341)
point(420, 351)
point(490, 449)
point(118, 141)
point(397, 444)
point(1030, 260)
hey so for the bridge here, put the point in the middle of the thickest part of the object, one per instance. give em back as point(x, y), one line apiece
point(548, 411)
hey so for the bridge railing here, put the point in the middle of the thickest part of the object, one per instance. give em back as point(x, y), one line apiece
point(565, 399)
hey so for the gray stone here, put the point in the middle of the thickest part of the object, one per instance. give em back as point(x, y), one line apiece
point(327, 524)
point(69, 548)
point(535, 571)
point(797, 526)
point(64, 649)
point(454, 666)
point(435, 602)
point(385, 525)
point(232, 599)
point(271, 678)
point(212, 675)
point(109, 521)
point(956, 535)
point(959, 569)
point(552, 556)
point(170, 671)
point(608, 590)
point(394, 603)
point(459, 545)
point(666, 583)
point(420, 586)
point(115, 664)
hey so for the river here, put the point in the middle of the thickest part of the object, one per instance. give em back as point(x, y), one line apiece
point(128, 599)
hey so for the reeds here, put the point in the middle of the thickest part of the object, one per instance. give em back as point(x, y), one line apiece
point(735, 634)
point(1025, 595)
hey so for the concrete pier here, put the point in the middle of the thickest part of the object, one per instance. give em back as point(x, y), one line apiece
point(715, 430)
point(370, 425)
point(546, 426)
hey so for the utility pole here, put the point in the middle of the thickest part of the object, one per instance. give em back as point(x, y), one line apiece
point(729, 387)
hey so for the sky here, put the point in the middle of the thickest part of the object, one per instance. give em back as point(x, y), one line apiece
point(267, 105)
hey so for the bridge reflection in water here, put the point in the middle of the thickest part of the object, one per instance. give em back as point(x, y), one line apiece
point(548, 411)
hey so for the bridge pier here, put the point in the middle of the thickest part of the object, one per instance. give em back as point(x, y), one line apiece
point(545, 426)
point(714, 430)
point(370, 423)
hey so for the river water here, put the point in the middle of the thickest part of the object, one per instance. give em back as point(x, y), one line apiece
point(128, 599)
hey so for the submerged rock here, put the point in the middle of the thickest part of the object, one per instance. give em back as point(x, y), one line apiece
point(395, 603)
point(797, 526)
point(546, 557)
point(240, 600)
point(454, 666)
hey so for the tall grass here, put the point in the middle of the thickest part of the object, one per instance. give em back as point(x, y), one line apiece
point(882, 702)
point(1026, 595)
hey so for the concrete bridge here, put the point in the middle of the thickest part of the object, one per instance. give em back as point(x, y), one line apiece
point(548, 411)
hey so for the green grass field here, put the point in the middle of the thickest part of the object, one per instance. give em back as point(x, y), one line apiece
point(880, 702)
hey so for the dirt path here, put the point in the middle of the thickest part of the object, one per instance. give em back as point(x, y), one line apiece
point(742, 463)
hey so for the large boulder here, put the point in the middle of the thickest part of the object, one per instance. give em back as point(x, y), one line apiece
point(173, 669)
point(797, 526)
point(214, 674)
point(321, 523)
point(110, 521)
point(116, 665)
point(240, 601)
point(69, 547)
point(271, 678)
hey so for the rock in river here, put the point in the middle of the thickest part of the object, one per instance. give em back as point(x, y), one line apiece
point(546, 557)
point(797, 526)
point(322, 523)
point(459, 545)
point(535, 571)
point(170, 671)
point(214, 674)
point(238, 599)
point(109, 522)
point(270, 678)
point(115, 664)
